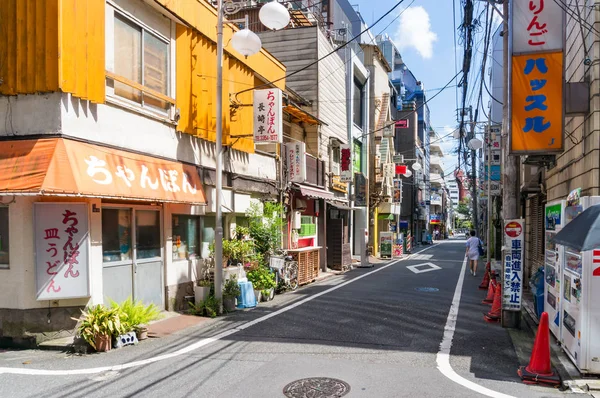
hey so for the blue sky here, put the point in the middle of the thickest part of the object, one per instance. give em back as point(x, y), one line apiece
point(424, 34)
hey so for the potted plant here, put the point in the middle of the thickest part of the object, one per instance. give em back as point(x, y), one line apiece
point(201, 290)
point(135, 316)
point(99, 325)
point(263, 280)
point(231, 290)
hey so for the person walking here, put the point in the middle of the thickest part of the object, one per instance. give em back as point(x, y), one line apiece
point(472, 253)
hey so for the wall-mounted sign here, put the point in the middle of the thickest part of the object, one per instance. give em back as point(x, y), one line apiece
point(537, 32)
point(397, 191)
point(495, 175)
point(398, 158)
point(402, 124)
point(400, 169)
point(337, 185)
point(61, 250)
point(268, 126)
point(296, 161)
point(537, 26)
point(345, 163)
point(435, 219)
point(360, 190)
point(513, 264)
point(388, 170)
point(553, 214)
point(388, 131)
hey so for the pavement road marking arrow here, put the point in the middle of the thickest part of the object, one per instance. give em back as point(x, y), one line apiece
point(418, 268)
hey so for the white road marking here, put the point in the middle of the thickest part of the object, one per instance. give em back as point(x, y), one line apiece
point(418, 269)
point(198, 344)
point(443, 356)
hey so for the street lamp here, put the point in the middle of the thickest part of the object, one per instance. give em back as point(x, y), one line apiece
point(246, 43)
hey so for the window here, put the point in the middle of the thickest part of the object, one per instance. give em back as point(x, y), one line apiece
point(147, 234)
point(358, 103)
point(186, 237)
point(116, 235)
point(141, 58)
point(4, 261)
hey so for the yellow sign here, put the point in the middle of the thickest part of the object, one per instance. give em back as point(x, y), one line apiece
point(337, 185)
point(537, 103)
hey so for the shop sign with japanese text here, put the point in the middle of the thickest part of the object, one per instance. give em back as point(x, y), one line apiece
point(397, 191)
point(537, 26)
point(346, 169)
point(61, 250)
point(537, 81)
point(513, 261)
point(296, 161)
point(360, 190)
point(268, 126)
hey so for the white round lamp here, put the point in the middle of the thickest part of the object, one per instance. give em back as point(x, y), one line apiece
point(475, 144)
point(416, 166)
point(408, 173)
point(274, 15)
point(246, 42)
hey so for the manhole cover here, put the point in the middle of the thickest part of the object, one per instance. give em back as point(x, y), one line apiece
point(427, 289)
point(316, 387)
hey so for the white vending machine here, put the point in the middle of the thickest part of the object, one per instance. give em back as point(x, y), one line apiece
point(554, 221)
point(580, 298)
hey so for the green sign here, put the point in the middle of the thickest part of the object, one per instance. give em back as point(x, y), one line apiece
point(553, 216)
point(386, 241)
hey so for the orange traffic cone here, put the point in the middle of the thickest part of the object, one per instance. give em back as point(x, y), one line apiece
point(495, 312)
point(486, 277)
point(492, 286)
point(539, 370)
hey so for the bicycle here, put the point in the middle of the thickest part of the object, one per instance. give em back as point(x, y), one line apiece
point(286, 269)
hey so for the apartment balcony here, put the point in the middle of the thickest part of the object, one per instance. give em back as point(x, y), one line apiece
point(436, 161)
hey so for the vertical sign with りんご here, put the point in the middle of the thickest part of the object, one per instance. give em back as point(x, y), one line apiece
point(346, 170)
point(514, 233)
point(268, 126)
point(536, 111)
point(61, 250)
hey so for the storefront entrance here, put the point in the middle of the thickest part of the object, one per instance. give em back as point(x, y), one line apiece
point(132, 262)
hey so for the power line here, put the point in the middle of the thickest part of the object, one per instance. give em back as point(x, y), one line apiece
point(268, 84)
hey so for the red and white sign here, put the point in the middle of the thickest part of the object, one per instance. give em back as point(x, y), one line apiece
point(596, 262)
point(402, 124)
point(537, 26)
point(513, 229)
point(268, 125)
point(61, 250)
point(346, 172)
point(400, 169)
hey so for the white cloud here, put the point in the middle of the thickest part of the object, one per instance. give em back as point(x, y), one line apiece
point(414, 31)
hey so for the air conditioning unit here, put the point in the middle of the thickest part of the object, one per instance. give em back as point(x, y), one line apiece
point(300, 205)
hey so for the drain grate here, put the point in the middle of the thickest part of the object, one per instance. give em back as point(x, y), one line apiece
point(316, 387)
point(427, 289)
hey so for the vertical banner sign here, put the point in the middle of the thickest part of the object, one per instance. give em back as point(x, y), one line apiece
point(61, 250)
point(537, 32)
point(346, 163)
point(397, 191)
point(514, 233)
point(268, 126)
point(360, 190)
point(296, 161)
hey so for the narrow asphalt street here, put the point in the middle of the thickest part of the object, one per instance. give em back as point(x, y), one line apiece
point(379, 330)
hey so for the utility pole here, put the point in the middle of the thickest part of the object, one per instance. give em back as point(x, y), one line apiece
point(474, 174)
point(510, 180)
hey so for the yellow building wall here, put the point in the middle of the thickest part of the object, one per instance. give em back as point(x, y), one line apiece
point(51, 45)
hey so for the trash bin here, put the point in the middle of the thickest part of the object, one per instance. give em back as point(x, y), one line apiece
point(537, 288)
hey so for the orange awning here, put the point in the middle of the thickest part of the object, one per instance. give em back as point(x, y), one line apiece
point(56, 166)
